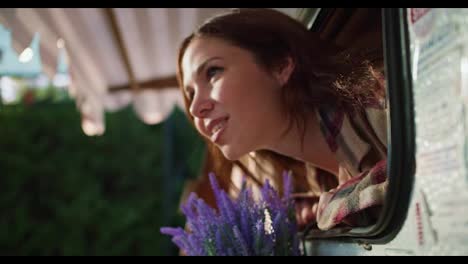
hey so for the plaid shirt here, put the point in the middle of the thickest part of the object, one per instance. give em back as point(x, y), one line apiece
point(359, 141)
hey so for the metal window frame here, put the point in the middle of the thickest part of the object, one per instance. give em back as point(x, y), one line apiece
point(401, 158)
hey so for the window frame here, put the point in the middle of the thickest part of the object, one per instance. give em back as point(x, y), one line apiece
point(401, 150)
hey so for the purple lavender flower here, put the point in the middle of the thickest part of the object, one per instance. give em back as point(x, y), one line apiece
point(240, 242)
point(241, 226)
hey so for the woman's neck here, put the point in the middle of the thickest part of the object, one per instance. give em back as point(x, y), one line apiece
point(313, 149)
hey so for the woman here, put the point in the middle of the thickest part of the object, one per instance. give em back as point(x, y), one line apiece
point(257, 83)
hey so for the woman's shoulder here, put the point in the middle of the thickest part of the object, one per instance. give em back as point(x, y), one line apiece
point(373, 111)
point(376, 111)
point(352, 134)
point(378, 119)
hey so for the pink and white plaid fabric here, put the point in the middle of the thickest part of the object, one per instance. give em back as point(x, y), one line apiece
point(360, 144)
point(347, 203)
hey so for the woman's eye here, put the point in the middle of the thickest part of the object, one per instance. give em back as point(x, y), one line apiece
point(212, 71)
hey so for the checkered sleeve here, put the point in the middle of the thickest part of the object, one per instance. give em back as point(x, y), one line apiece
point(347, 203)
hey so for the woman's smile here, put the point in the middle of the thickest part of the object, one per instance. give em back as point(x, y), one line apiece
point(216, 129)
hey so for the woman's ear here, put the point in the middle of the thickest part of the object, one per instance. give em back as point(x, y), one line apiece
point(284, 71)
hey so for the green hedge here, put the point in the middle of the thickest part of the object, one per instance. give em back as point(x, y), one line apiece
point(64, 193)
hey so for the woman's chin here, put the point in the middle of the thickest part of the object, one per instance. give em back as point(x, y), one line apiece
point(230, 153)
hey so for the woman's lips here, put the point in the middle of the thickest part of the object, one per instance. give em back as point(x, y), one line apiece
point(218, 129)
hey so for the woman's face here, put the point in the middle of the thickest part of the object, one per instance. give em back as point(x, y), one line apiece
point(235, 102)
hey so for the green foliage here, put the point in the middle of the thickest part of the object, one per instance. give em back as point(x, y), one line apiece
point(64, 193)
point(49, 93)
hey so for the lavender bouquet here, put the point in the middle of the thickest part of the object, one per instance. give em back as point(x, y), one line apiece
point(241, 227)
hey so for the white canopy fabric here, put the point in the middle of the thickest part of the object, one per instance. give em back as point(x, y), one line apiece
point(151, 37)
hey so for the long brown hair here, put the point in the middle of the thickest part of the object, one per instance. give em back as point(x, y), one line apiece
point(323, 75)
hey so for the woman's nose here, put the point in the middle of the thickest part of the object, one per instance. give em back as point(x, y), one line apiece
point(201, 107)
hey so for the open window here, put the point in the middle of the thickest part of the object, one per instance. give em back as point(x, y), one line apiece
point(386, 29)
